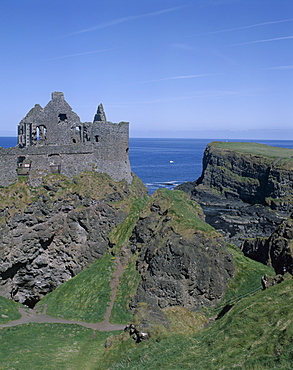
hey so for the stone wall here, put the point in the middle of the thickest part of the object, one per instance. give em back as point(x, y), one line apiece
point(52, 139)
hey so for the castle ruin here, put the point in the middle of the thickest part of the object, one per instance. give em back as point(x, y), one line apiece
point(53, 140)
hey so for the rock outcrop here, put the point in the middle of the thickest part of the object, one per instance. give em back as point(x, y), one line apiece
point(50, 234)
point(182, 260)
point(245, 189)
point(276, 250)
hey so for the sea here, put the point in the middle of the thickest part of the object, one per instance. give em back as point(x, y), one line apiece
point(166, 163)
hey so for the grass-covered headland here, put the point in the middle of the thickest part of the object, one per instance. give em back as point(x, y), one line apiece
point(249, 328)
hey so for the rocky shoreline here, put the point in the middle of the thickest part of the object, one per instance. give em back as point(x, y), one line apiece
point(245, 191)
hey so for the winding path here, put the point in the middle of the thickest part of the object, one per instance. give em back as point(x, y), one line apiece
point(34, 315)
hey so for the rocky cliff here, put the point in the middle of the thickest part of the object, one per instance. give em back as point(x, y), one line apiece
point(51, 233)
point(182, 260)
point(276, 250)
point(245, 190)
point(252, 173)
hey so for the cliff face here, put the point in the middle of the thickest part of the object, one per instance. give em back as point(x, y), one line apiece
point(253, 177)
point(182, 260)
point(246, 191)
point(276, 250)
point(50, 234)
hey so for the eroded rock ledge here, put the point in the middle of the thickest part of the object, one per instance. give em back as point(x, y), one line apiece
point(245, 190)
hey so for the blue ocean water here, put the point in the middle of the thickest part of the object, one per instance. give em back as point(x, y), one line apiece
point(167, 162)
point(170, 162)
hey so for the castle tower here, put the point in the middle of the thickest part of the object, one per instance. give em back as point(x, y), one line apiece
point(100, 116)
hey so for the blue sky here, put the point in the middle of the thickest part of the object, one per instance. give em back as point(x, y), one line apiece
point(172, 68)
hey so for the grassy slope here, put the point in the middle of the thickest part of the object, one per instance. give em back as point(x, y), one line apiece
point(51, 346)
point(84, 297)
point(247, 277)
point(130, 278)
point(255, 334)
point(127, 287)
point(8, 310)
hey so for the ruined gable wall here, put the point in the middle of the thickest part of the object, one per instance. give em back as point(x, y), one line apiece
point(35, 115)
point(59, 120)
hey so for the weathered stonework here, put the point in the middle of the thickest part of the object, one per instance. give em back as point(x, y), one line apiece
point(53, 140)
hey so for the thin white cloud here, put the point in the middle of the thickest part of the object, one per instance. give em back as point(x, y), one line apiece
point(281, 67)
point(79, 54)
point(265, 40)
point(249, 26)
point(116, 21)
point(179, 77)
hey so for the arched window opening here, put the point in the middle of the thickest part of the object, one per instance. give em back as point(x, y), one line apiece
point(41, 133)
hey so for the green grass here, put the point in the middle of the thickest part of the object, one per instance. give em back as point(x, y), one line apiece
point(256, 149)
point(257, 333)
point(247, 277)
point(130, 278)
point(51, 346)
point(127, 288)
point(84, 297)
point(120, 234)
point(186, 215)
point(8, 310)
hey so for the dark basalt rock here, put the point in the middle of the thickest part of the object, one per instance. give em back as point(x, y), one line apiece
point(275, 250)
point(40, 253)
point(178, 268)
point(51, 240)
point(268, 281)
point(242, 195)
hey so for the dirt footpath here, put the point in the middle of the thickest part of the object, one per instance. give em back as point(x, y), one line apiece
point(33, 315)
